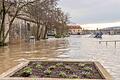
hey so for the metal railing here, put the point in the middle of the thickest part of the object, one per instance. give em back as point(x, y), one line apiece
point(114, 41)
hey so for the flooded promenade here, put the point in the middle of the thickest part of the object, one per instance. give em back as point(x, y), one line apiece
point(74, 47)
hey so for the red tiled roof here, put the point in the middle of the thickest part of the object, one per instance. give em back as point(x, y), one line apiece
point(74, 27)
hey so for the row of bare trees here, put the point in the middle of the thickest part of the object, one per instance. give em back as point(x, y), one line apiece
point(45, 13)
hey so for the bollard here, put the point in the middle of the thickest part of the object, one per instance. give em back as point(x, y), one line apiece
point(106, 43)
point(115, 44)
point(32, 39)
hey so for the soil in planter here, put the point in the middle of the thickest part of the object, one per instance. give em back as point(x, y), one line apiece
point(80, 70)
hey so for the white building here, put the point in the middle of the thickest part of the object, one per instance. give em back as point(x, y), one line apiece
point(75, 29)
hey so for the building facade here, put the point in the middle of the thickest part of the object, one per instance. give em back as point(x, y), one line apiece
point(21, 30)
point(111, 30)
point(75, 29)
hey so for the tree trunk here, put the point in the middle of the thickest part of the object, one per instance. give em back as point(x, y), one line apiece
point(2, 27)
point(41, 30)
point(37, 34)
point(45, 33)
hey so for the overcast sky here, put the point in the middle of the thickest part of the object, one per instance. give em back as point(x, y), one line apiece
point(92, 11)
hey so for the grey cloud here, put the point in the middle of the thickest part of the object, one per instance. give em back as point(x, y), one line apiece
point(92, 11)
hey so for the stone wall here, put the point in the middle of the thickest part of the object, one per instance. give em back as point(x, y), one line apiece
point(20, 31)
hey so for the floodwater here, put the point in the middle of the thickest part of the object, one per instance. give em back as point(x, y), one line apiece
point(74, 47)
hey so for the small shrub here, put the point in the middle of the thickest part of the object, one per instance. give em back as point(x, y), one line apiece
point(58, 36)
point(47, 72)
point(87, 64)
point(27, 72)
point(62, 74)
point(86, 74)
point(39, 66)
point(87, 69)
point(81, 64)
point(74, 76)
point(59, 64)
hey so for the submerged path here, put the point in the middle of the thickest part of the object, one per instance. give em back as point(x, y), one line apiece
point(74, 47)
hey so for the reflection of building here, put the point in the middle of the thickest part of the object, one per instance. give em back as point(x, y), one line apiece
point(75, 29)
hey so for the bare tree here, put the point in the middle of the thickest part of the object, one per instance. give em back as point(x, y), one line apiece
point(3, 13)
point(46, 14)
point(39, 12)
point(11, 8)
point(60, 21)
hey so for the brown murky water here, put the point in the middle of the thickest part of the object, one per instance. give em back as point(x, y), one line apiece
point(11, 54)
point(74, 47)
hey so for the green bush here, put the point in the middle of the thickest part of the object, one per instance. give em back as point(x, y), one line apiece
point(39, 66)
point(81, 64)
point(47, 72)
point(74, 76)
point(27, 70)
point(58, 36)
point(86, 74)
point(61, 35)
point(87, 69)
point(62, 74)
point(59, 64)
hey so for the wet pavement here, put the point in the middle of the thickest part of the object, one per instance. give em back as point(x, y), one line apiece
point(74, 47)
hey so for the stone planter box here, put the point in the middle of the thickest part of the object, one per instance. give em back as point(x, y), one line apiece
point(6, 76)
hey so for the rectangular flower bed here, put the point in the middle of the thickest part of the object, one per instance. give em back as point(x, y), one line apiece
point(57, 70)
